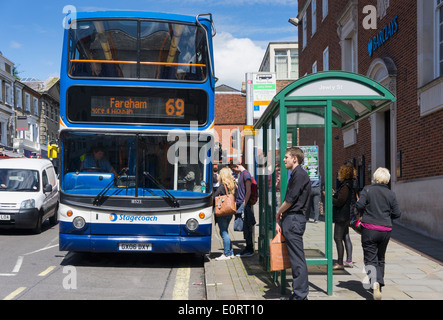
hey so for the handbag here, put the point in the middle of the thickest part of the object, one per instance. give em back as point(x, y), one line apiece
point(355, 222)
point(225, 204)
point(279, 253)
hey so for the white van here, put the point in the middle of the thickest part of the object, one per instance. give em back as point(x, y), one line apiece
point(29, 191)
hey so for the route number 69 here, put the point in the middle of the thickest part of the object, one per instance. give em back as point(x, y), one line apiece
point(175, 107)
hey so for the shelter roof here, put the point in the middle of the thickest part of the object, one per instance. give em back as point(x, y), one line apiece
point(353, 97)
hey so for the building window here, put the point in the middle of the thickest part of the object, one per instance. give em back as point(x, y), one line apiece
point(281, 64)
point(8, 94)
point(18, 97)
point(35, 105)
point(8, 68)
point(294, 63)
point(35, 132)
point(1, 91)
point(286, 63)
point(439, 42)
point(349, 55)
point(27, 102)
point(324, 8)
point(305, 31)
point(326, 59)
point(347, 33)
point(314, 16)
point(314, 67)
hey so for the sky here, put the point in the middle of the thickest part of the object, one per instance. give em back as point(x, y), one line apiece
point(31, 32)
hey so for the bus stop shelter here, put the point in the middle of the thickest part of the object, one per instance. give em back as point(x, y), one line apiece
point(331, 99)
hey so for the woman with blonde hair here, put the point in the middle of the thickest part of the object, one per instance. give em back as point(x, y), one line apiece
point(225, 179)
point(378, 206)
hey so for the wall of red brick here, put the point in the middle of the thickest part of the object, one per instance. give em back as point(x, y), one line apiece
point(418, 138)
point(230, 114)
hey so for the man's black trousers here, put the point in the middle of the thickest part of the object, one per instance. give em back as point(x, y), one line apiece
point(293, 228)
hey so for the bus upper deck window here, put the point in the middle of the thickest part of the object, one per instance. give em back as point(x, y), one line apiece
point(115, 49)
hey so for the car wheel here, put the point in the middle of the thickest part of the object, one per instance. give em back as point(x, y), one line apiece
point(54, 219)
point(38, 227)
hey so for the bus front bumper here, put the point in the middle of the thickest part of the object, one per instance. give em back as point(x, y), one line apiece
point(153, 244)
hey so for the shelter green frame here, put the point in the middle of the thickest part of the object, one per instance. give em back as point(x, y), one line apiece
point(341, 99)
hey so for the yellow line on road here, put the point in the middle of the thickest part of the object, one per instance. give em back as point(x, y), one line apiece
point(44, 273)
point(181, 286)
point(12, 295)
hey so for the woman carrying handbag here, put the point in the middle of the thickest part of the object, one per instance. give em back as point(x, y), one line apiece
point(227, 185)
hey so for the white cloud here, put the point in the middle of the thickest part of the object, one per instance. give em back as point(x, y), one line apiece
point(235, 57)
point(16, 45)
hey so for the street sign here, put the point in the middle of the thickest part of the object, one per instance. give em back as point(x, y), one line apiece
point(264, 88)
point(22, 123)
point(249, 131)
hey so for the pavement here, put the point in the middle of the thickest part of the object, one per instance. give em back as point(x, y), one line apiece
point(414, 269)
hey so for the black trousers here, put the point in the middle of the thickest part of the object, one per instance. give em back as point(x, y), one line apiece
point(248, 227)
point(293, 228)
point(341, 235)
point(374, 245)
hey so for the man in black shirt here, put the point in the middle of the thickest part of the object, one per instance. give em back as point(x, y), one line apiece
point(291, 220)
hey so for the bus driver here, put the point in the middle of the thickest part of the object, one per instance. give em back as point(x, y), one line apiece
point(97, 161)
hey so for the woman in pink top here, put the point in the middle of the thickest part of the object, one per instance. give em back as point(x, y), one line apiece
point(378, 206)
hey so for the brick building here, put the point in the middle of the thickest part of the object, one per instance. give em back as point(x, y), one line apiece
point(230, 114)
point(400, 45)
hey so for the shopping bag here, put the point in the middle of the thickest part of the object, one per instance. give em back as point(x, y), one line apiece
point(279, 253)
point(238, 222)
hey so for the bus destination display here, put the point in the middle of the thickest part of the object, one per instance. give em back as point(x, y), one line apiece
point(137, 107)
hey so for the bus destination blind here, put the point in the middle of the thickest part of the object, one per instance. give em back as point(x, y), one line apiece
point(137, 107)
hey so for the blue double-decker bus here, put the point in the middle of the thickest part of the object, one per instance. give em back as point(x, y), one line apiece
point(136, 131)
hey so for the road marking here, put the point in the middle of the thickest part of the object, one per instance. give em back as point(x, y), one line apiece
point(18, 264)
point(181, 286)
point(7, 274)
point(47, 271)
point(12, 295)
point(42, 249)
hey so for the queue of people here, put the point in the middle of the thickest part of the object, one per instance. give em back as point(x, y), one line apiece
point(241, 188)
point(376, 204)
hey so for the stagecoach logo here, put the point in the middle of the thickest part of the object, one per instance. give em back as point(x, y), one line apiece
point(123, 217)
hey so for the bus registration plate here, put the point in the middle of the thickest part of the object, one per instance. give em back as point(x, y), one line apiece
point(135, 246)
point(6, 217)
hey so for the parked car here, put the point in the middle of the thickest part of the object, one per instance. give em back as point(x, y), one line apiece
point(29, 193)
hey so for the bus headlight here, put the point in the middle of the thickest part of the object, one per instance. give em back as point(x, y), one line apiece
point(78, 222)
point(192, 224)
